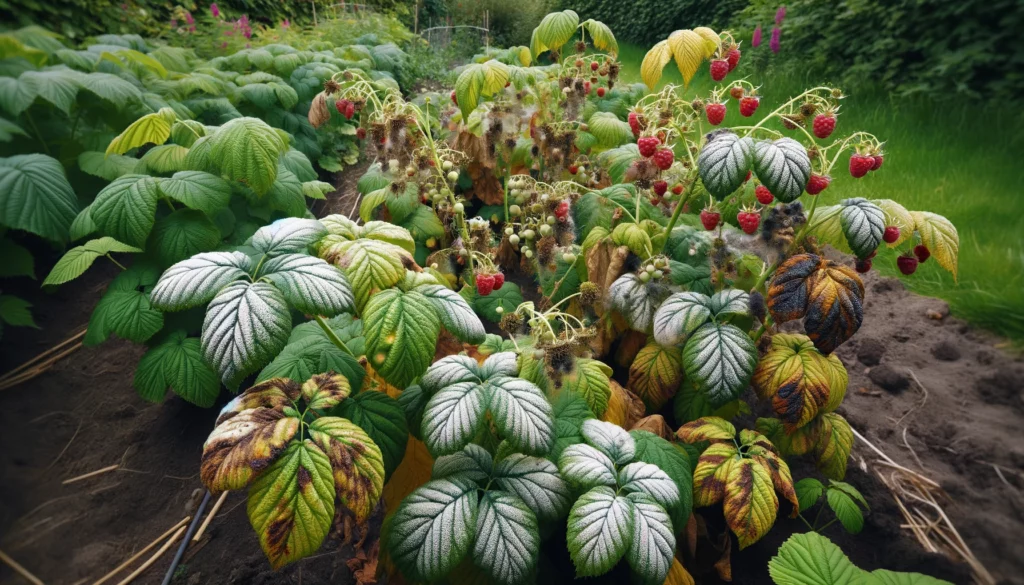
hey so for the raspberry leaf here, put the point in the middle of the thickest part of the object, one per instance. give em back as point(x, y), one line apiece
point(783, 166)
point(897, 215)
point(310, 284)
point(689, 49)
point(507, 541)
point(719, 360)
point(656, 374)
point(401, 331)
point(600, 530)
point(77, 260)
point(536, 481)
point(808, 491)
point(383, 419)
point(247, 150)
point(126, 209)
point(636, 300)
point(846, 510)
point(370, 265)
point(723, 163)
point(601, 36)
point(177, 363)
point(826, 226)
point(455, 313)
point(479, 80)
point(610, 439)
point(810, 558)
point(939, 235)
point(654, 62)
point(508, 297)
point(750, 503)
point(591, 380)
point(586, 467)
point(125, 309)
point(182, 234)
point(472, 462)
point(554, 30)
point(674, 461)
point(653, 543)
point(863, 224)
point(358, 467)
point(152, 128)
point(795, 378)
point(834, 443)
point(609, 130)
point(649, 479)
point(287, 236)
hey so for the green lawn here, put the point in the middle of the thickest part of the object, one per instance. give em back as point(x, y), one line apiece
point(960, 160)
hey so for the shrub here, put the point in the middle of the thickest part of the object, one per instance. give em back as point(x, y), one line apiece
point(647, 22)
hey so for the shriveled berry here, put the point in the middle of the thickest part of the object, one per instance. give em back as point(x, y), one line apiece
point(860, 165)
point(922, 253)
point(907, 264)
point(361, 133)
point(663, 159)
point(710, 219)
point(715, 113)
point(862, 266)
point(824, 124)
point(736, 92)
point(891, 234)
point(764, 196)
point(818, 183)
point(719, 69)
point(648, 145)
point(748, 105)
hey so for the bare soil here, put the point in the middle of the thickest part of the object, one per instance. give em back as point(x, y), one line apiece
point(962, 422)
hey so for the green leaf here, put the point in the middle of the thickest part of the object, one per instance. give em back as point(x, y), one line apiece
point(125, 310)
point(609, 130)
point(554, 30)
point(303, 358)
point(15, 97)
point(783, 166)
point(601, 36)
point(291, 504)
point(536, 482)
point(370, 265)
point(893, 578)
point(724, 161)
point(77, 260)
point(9, 129)
point(310, 284)
point(15, 311)
point(317, 189)
point(479, 80)
point(433, 528)
point(36, 197)
point(177, 363)
point(106, 167)
point(247, 150)
point(591, 380)
point(679, 316)
point(636, 300)
point(808, 491)
point(846, 510)
point(507, 541)
point(125, 209)
point(357, 462)
point(508, 297)
point(455, 313)
point(674, 461)
point(401, 331)
point(383, 420)
point(246, 325)
point(164, 159)
point(182, 234)
point(653, 543)
point(811, 559)
point(18, 260)
point(719, 360)
point(196, 281)
point(599, 532)
point(152, 128)
point(187, 132)
point(197, 190)
point(57, 86)
point(863, 224)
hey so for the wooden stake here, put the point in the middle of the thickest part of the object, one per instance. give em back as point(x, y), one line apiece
point(90, 474)
point(149, 547)
point(156, 556)
point(209, 517)
point(19, 569)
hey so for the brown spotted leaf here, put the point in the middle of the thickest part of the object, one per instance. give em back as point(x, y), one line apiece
point(655, 374)
point(707, 428)
point(750, 502)
point(711, 473)
point(798, 442)
point(828, 296)
point(242, 446)
point(833, 447)
point(356, 460)
point(274, 394)
point(323, 391)
point(795, 377)
point(760, 449)
point(291, 504)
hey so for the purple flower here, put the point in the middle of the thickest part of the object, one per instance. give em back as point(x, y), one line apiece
point(285, 24)
point(189, 19)
point(780, 14)
point(774, 43)
point(214, 10)
point(244, 21)
point(756, 41)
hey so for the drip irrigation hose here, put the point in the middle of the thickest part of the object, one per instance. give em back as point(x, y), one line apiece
point(188, 536)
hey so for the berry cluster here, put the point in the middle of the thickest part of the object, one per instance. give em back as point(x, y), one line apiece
point(488, 282)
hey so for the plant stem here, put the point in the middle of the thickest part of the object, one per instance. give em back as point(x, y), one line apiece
point(116, 263)
point(806, 523)
point(818, 516)
point(333, 336)
point(783, 107)
point(827, 524)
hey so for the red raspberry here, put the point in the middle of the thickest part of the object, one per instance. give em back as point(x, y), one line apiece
point(736, 92)
point(484, 284)
point(748, 220)
point(341, 105)
point(878, 160)
point(715, 112)
point(660, 188)
point(824, 124)
point(748, 106)
point(733, 57)
point(600, 92)
point(891, 234)
point(710, 219)
point(764, 196)
point(454, 101)
point(663, 159)
point(907, 264)
point(562, 210)
point(818, 183)
point(677, 189)
point(361, 133)
point(586, 87)
point(499, 280)
point(860, 165)
point(922, 253)
point(350, 110)
point(648, 145)
point(863, 266)
point(594, 65)
point(634, 123)
point(719, 69)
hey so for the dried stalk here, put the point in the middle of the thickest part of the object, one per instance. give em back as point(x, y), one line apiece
point(90, 474)
point(209, 517)
point(156, 556)
point(19, 569)
point(149, 547)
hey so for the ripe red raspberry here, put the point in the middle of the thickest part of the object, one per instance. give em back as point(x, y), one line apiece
point(716, 113)
point(863, 266)
point(663, 159)
point(454, 101)
point(499, 280)
point(660, 188)
point(764, 196)
point(824, 124)
point(600, 92)
point(573, 169)
point(350, 110)
point(818, 183)
point(586, 87)
point(648, 145)
point(361, 133)
point(710, 218)
point(733, 57)
point(891, 234)
point(484, 284)
point(748, 220)
point(922, 253)
point(748, 105)
point(736, 92)
point(860, 165)
point(878, 160)
point(594, 65)
point(907, 264)
point(340, 105)
point(719, 69)
point(677, 189)
point(634, 123)
point(562, 210)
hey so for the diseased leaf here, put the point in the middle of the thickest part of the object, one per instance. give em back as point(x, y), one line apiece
point(653, 543)
point(370, 265)
point(636, 301)
point(507, 541)
point(655, 374)
point(649, 479)
point(783, 166)
point(536, 481)
point(455, 313)
point(711, 428)
point(679, 316)
point(246, 325)
point(673, 460)
point(401, 331)
point(196, 281)
point(152, 128)
point(356, 462)
point(384, 422)
point(794, 376)
point(939, 235)
point(310, 284)
point(586, 466)
point(654, 62)
point(863, 224)
point(832, 450)
point(688, 50)
point(287, 236)
point(750, 501)
point(243, 446)
point(590, 379)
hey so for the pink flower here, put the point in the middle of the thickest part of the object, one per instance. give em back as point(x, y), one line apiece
point(189, 19)
point(774, 43)
point(780, 14)
point(285, 24)
point(214, 10)
point(174, 23)
point(756, 41)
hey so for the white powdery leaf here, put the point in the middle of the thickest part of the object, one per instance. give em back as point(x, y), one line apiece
point(504, 363)
point(450, 370)
point(719, 360)
point(586, 466)
point(653, 543)
point(452, 416)
point(522, 414)
point(723, 163)
point(473, 462)
point(288, 235)
point(783, 166)
point(507, 541)
point(611, 439)
point(455, 313)
point(730, 302)
point(433, 528)
point(599, 530)
point(196, 281)
point(310, 284)
point(649, 479)
point(246, 325)
point(679, 316)
point(863, 224)
point(635, 299)
point(536, 482)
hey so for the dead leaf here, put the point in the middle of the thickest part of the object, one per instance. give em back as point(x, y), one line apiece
point(723, 566)
point(654, 424)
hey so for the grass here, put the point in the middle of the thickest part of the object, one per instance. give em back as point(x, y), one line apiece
point(960, 160)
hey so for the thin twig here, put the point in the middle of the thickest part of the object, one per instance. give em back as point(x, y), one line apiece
point(156, 556)
point(911, 449)
point(36, 370)
point(19, 569)
point(43, 355)
point(149, 547)
point(923, 400)
point(90, 474)
point(64, 450)
point(209, 517)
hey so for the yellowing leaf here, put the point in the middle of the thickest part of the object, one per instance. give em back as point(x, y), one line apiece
point(601, 36)
point(479, 80)
point(688, 49)
point(152, 128)
point(711, 472)
point(750, 501)
point(654, 62)
point(241, 446)
point(678, 575)
point(707, 428)
point(712, 42)
point(624, 407)
point(590, 379)
point(356, 461)
point(655, 374)
point(833, 446)
point(794, 376)
point(939, 235)
point(897, 215)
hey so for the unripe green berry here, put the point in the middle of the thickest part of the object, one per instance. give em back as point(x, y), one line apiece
point(453, 176)
point(545, 230)
point(447, 165)
point(513, 239)
point(509, 231)
point(528, 253)
point(649, 268)
point(569, 257)
point(515, 211)
point(460, 208)
point(499, 309)
point(658, 275)
point(551, 220)
point(529, 234)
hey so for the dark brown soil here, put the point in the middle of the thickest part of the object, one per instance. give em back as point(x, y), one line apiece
point(83, 415)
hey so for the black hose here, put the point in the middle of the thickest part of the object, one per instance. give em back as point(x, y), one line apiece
point(188, 536)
